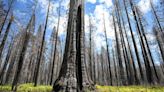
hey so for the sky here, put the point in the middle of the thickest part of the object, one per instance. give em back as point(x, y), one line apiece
point(93, 8)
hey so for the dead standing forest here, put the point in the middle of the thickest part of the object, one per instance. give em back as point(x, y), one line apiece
point(72, 62)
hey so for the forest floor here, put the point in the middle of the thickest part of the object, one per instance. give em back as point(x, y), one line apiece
point(43, 88)
point(130, 88)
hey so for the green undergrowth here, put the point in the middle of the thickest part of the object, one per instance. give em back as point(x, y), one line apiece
point(130, 88)
point(42, 88)
point(27, 88)
point(5, 88)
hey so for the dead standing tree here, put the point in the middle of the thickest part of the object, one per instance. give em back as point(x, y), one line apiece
point(4, 39)
point(73, 76)
point(36, 74)
point(7, 13)
point(56, 42)
point(25, 40)
point(107, 47)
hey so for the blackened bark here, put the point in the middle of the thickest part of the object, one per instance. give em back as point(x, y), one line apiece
point(90, 49)
point(73, 76)
point(7, 13)
point(78, 53)
point(134, 43)
point(115, 67)
point(108, 54)
point(159, 42)
point(5, 36)
point(25, 41)
point(145, 56)
point(146, 44)
point(131, 60)
point(12, 61)
point(21, 59)
point(6, 62)
point(126, 59)
point(56, 42)
point(102, 66)
point(157, 19)
point(41, 49)
point(121, 70)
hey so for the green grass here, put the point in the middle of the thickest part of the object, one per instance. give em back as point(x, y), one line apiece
point(27, 88)
point(5, 88)
point(42, 88)
point(129, 89)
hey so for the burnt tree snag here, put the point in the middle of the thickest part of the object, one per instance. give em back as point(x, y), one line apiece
point(73, 76)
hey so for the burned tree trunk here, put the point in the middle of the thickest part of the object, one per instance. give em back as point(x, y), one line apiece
point(6, 61)
point(126, 59)
point(12, 60)
point(134, 43)
point(5, 36)
point(7, 13)
point(25, 41)
point(55, 48)
point(131, 57)
point(73, 76)
point(157, 19)
point(121, 69)
point(145, 56)
point(90, 49)
point(158, 38)
point(146, 42)
point(41, 49)
point(20, 62)
point(108, 54)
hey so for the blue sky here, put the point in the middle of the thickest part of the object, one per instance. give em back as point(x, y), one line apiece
point(95, 8)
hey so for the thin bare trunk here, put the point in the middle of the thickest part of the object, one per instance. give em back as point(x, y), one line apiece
point(41, 48)
point(7, 13)
point(108, 54)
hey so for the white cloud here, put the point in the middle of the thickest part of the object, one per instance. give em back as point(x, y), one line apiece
point(99, 11)
point(86, 23)
point(145, 5)
point(65, 3)
point(53, 18)
point(150, 37)
point(97, 21)
point(62, 24)
point(91, 1)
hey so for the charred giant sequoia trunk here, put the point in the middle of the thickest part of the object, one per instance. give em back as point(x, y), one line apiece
point(73, 76)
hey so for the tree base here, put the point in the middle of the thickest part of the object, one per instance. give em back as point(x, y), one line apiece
point(89, 88)
point(70, 85)
point(65, 85)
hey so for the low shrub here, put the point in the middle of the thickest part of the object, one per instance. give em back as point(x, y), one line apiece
point(130, 88)
point(27, 88)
